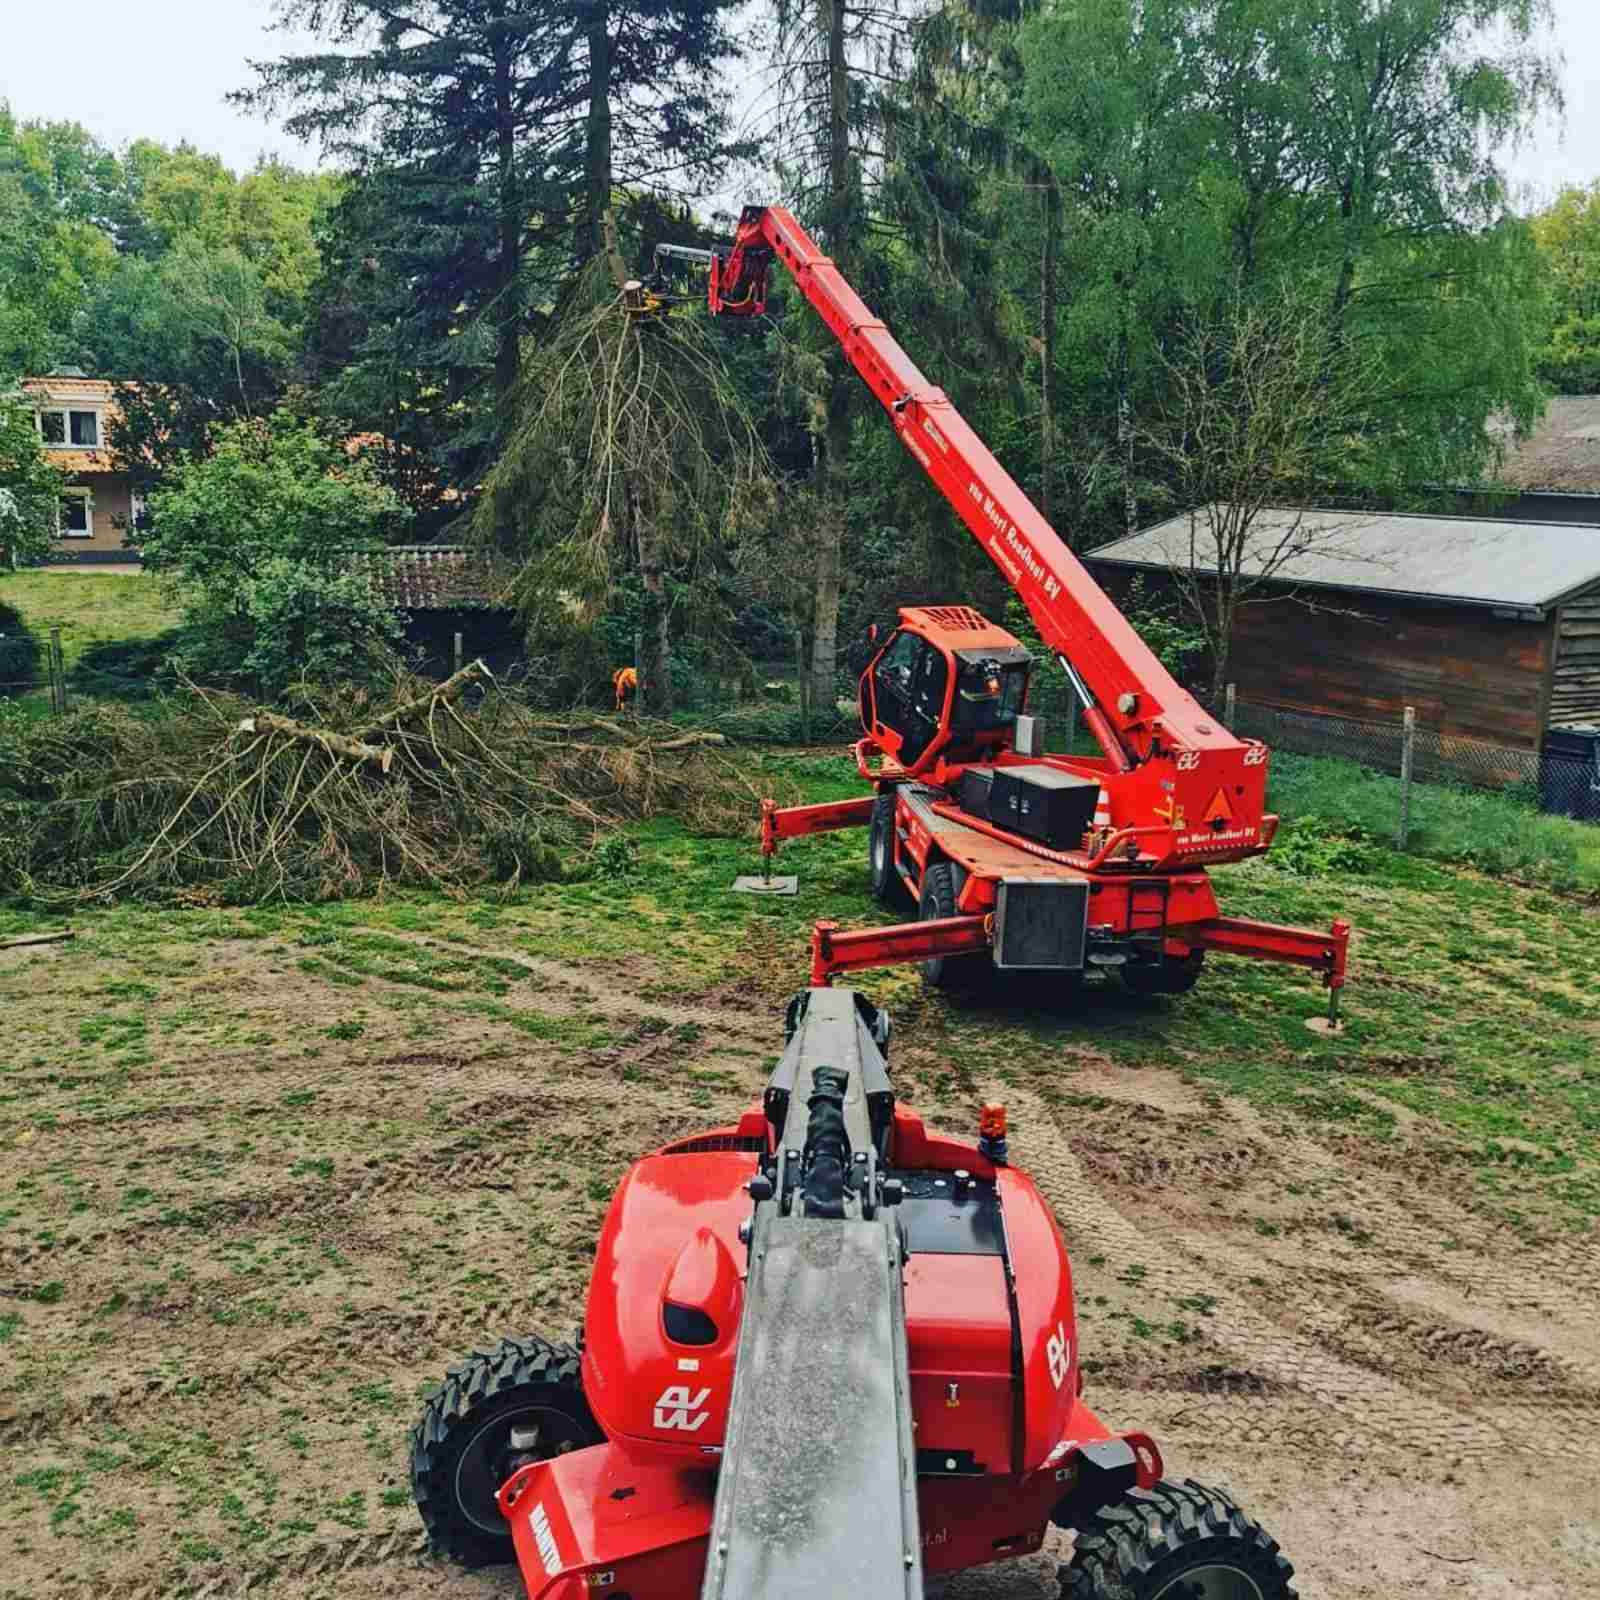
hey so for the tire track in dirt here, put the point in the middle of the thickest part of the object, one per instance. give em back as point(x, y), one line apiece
point(452, 1167)
point(1368, 1402)
point(396, 1549)
point(378, 1341)
point(649, 1117)
point(1452, 1242)
point(602, 996)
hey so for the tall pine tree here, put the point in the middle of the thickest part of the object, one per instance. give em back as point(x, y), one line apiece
point(486, 136)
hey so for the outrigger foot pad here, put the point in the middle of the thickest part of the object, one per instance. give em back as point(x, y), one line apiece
point(756, 884)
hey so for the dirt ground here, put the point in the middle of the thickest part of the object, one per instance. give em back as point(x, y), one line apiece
point(253, 1200)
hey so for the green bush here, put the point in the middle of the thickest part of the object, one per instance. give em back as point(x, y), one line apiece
point(259, 537)
point(1497, 831)
point(1312, 847)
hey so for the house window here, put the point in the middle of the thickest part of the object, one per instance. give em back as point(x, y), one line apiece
point(77, 515)
point(70, 429)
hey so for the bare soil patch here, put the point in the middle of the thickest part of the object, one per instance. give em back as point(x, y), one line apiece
point(256, 1193)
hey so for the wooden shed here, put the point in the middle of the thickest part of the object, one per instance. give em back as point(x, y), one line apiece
point(443, 590)
point(1490, 629)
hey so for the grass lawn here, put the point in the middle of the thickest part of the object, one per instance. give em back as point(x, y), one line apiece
point(265, 1172)
point(90, 607)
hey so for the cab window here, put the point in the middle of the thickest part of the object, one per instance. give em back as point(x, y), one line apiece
point(988, 697)
point(894, 671)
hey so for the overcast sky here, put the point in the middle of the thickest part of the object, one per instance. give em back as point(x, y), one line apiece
point(160, 68)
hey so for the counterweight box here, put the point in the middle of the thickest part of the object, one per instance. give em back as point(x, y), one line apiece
point(1043, 803)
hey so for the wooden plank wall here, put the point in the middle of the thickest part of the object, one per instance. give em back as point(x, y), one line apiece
point(1575, 680)
point(1365, 657)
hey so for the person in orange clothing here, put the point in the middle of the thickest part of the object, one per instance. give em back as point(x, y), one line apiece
point(625, 680)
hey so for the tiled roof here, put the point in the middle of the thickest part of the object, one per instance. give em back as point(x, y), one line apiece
point(98, 392)
point(433, 577)
point(50, 388)
point(76, 462)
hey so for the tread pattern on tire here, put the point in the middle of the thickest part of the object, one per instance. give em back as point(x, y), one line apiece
point(484, 1377)
point(939, 900)
point(890, 890)
point(1131, 1549)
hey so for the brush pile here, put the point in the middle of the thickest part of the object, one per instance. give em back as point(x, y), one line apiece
point(206, 800)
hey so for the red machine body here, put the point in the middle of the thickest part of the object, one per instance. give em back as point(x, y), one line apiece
point(999, 1422)
point(1174, 790)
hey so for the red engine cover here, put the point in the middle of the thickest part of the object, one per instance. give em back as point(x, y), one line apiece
point(640, 1384)
point(672, 1235)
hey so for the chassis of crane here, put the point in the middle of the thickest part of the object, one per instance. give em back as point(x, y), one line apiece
point(825, 1352)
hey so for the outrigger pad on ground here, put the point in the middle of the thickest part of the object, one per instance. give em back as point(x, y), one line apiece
point(759, 885)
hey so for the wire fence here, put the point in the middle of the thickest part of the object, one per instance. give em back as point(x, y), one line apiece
point(1561, 778)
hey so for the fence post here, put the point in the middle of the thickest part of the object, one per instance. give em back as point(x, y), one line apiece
point(1408, 739)
point(58, 676)
point(456, 657)
point(1230, 701)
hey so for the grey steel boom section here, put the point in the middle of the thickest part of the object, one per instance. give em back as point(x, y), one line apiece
point(817, 1493)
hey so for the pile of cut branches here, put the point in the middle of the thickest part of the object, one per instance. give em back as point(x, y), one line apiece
point(447, 785)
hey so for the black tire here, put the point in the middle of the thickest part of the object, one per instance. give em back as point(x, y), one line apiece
point(461, 1450)
point(1177, 1541)
point(1167, 976)
point(888, 887)
point(950, 973)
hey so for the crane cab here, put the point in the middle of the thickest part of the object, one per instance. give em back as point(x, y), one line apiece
point(946, 683)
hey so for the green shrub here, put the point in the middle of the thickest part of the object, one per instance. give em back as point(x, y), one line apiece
point(259, 537)
point(1312, 847)
point(19, 653)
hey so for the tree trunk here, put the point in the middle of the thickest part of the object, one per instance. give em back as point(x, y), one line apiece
point(830, 535)
point(838, 121)
point(1221, 642)
point(655, 666)
point(507, 356)
point(830, 539)
point(597, 148)
point(1130, 501)
point(1047, 349)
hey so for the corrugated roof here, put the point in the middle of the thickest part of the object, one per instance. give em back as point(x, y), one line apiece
point(433, 577)
point(1563, 452)
point(1474, 560)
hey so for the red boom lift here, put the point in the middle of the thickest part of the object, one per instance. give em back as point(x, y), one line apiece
point(825, 1352)
point(1012, 857)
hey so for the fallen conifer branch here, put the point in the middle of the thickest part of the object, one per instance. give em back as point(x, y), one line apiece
point(215, 800)
point(337, 744)
point(37, 938)
point(441, 695)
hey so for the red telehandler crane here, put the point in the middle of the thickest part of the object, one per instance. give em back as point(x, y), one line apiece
point(1014, 858)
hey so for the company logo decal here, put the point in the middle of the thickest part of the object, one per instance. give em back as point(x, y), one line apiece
point(677, 1408)
point(1058, 1350)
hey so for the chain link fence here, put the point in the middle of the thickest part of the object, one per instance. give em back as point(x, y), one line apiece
point(1563, 778)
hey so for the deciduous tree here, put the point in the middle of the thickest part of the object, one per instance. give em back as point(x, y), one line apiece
point(1260, 415)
